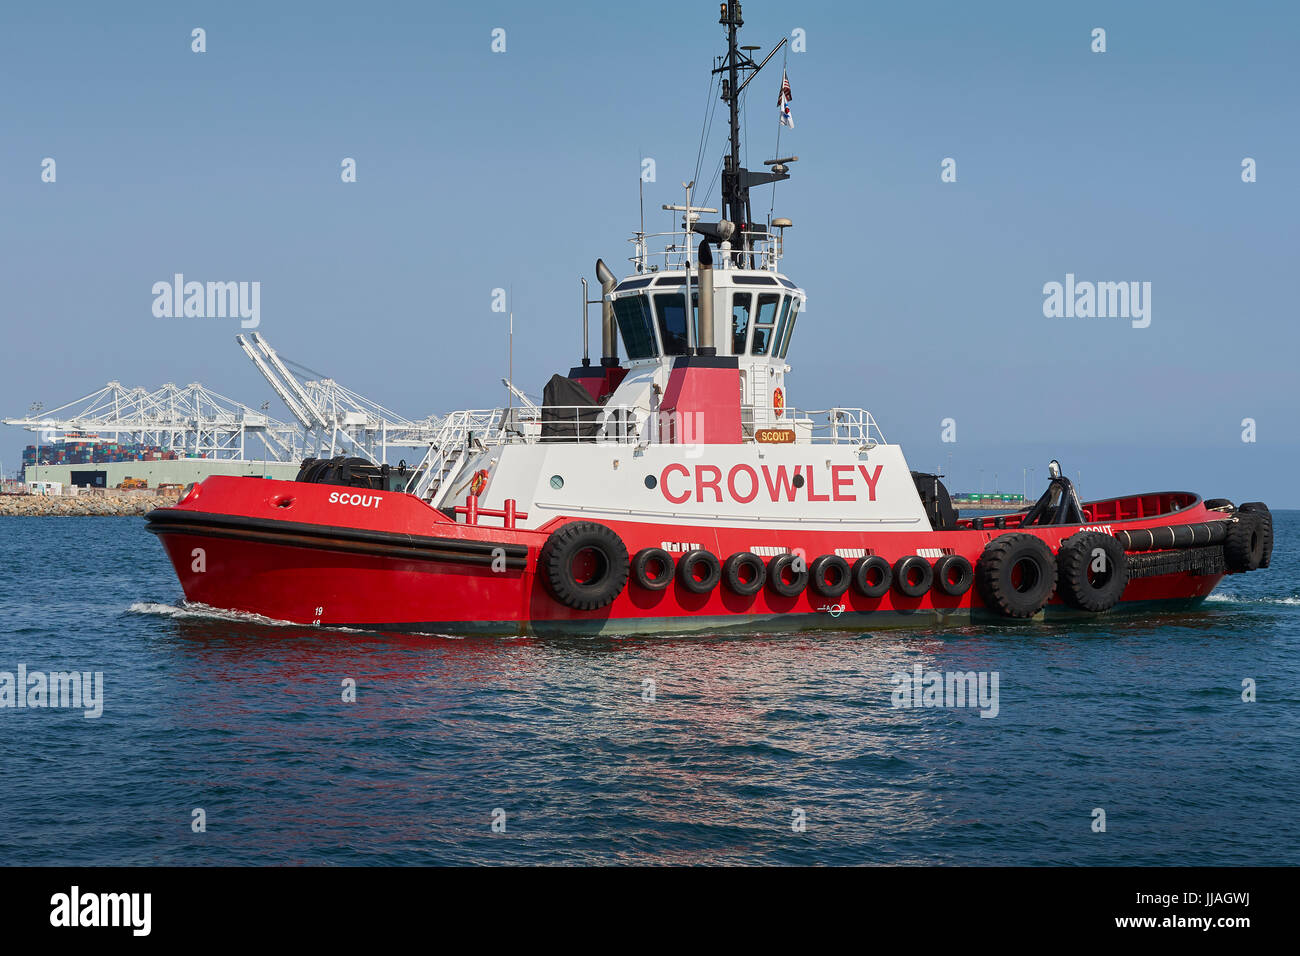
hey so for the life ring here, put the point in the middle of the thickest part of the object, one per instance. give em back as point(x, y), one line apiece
point(1092, 571)
point(776, 570)
point(872, 576)
point(829, 575)
point(904, 569)
point(954, 575)
point(1016, 574)
point(745, 573)
point(689, 568)
point(652, 568)
point(478, 482)
point(584, 565)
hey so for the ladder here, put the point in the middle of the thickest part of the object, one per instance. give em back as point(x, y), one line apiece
point(758, 399)
point(448, 452)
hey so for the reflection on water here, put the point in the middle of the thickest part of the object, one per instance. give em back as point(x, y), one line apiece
point(711, 762)
point(674, 749)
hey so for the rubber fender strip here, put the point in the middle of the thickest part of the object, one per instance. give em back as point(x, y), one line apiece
point(1180, 536)
point(373, 543)
point(1196, 560)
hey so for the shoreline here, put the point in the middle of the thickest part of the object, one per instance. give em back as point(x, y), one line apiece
point(84, 506)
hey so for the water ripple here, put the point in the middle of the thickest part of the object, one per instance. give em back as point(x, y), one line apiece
point(764, 748)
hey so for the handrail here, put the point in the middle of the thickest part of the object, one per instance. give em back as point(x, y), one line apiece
point(764, 252)
point(612, 425)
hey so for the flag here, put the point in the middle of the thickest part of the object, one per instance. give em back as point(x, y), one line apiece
point(783, 101)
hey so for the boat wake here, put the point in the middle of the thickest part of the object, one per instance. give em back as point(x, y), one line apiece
point(193, 610)
point(1219, 597)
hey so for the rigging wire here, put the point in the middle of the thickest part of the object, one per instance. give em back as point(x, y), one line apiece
point(777, 153)
point(716, 180)
point(710, 106)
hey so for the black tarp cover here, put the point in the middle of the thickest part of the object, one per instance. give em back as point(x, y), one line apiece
point(561, 420)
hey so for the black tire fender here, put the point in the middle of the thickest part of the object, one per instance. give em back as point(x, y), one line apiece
point(1260, 510)
point(776, 569)
point(1243, 549)
point(562, 548)
point(953, 575)
point(1092, 571)
point(864, 569)
point(736, 564)
point(996, 578)
point(903, 569)
point(696, 560)
point(829, 566)
point(643, 565)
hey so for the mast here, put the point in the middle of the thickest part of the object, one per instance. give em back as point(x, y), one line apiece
point(736, 180)
point(734, 197)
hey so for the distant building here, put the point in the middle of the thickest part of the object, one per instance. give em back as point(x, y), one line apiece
point(994, 500)
point(177, 471)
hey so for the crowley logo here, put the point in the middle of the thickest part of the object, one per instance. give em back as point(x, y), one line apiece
point(744, 483)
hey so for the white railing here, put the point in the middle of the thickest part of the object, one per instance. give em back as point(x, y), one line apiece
point(828, 426)
point(466, 432)
point(844, 426)
point(458, 432)
point(667, 251)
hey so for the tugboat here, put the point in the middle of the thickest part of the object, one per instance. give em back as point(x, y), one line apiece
point(678, 490)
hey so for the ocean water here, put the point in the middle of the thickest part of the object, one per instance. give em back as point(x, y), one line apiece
point(759, 749)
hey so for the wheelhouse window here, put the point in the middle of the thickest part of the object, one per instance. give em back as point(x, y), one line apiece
point(670, 309)
point(789, 327)
point(741, 303)
point(765, 322)
point(632, 313)
point(779, 336)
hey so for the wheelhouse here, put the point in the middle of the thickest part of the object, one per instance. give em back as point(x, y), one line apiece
point(754, 315)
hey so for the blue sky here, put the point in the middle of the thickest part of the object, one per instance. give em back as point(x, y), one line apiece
point(479, 170)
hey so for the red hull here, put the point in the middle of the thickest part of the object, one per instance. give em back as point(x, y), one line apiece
point(285, 551)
